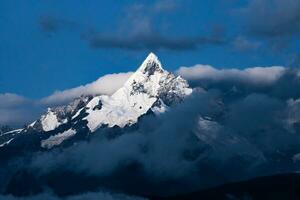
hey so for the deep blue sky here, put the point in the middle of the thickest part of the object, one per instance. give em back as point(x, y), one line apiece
point(53, 45)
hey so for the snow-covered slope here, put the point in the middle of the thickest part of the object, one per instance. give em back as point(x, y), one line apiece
point(57, 139)
point(55, 117)
point(149, 89)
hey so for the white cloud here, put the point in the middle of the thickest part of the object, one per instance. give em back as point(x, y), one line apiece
point(243, 44)
point(11, 100)
point(16, 110)
point(107, 84)
point(254, 75)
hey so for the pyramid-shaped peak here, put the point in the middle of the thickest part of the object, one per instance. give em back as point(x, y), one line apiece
point(152, 56)
point(150, 65)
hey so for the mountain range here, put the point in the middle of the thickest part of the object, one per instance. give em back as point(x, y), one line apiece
point(158, 132)
point(150, 90)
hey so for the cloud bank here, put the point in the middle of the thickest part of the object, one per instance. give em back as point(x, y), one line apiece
point(279, 29)
point(281, 17)
point(276, 80)
point(254, 75)
point(237, 124)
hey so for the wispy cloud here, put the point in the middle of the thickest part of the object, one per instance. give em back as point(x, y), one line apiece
point(151, 41)
point(243, 44)
point(16, 110)
point(295, 62)
point(50, 24)
point(139, 29)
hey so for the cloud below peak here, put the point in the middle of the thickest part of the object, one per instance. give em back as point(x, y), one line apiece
point(254, 75)
point(106, 84)
point(276, 81)
point(16, 110)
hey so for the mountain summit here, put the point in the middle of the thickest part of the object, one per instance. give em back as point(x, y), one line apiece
point(151, 89)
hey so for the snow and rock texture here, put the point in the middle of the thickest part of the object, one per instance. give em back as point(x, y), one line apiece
point(7, 137)
point(151, 89)
point(4, 129)
point(57, 139)
point(49, 121)
point(59, 115)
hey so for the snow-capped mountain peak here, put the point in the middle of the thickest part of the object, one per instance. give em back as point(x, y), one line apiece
point(150, 65)
point(145, 79)
point(151, 89)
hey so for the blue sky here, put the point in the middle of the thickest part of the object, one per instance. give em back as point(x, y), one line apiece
point(54, 45)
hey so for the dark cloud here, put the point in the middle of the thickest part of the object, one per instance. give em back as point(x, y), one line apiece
point(141, 28)
point(151, 41)
point(241, 125)
point(272, 18)
point(48, 24)
point(150, 156)
point(274, 23)
point(51, 24)
point(91, 196)
point(145, 25)
point(170, 155)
